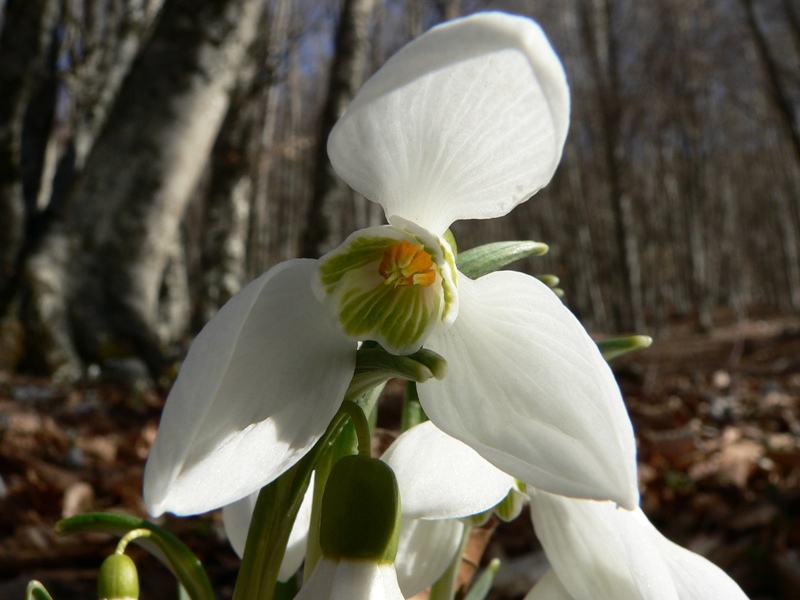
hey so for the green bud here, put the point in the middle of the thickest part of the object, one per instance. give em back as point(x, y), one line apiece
point(615, 347)
point(550, 281)
point(118, 579)
point(360, 516)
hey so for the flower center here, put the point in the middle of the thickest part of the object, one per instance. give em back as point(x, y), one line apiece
point(405, 264)
point(393, 284)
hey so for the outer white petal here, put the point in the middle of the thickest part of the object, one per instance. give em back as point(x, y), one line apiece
point(237, 516)
point(598, 550)
point(549, 587)
point(442, 478)
point(424, 551)
point(528, 389)
point(351, 580)
point(695, 577)
point(260, 385)
point(465, 122)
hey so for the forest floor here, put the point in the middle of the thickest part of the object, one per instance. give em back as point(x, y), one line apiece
point(717, 418)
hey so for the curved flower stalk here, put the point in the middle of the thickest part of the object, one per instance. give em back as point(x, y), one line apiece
point(599, 551)
point(465, 122)
point(237, 516)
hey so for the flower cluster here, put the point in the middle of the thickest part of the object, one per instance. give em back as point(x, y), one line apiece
point(466, 122)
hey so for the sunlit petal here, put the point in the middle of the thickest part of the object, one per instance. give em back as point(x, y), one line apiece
point(440, 477)
point(260, 385)
point(465, 122)
point(425, 550)
point(528, 389)
point(600, 551)
point(694, 577)
point(237, 516)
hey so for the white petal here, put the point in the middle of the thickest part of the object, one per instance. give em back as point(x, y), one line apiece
point(528, 389)
point(695, 577)
point(465, 122)
point(549, 587)
point(260, 385)
point(237, 516)
point(442, 478)
point(351, 580)
point(598, 550)
point(424, 551)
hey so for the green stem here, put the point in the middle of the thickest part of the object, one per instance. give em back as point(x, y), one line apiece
point(129, 537)
point(445, 587)
point(269, 532)
point(361, 425)
point(412, 410)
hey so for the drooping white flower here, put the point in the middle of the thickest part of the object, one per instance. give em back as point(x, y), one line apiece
point(467, 121)
point(600, 551)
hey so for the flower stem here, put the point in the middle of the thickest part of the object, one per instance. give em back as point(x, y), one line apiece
point(129, 537)
point(361, 425)
point(445, 587)
point(412, 410)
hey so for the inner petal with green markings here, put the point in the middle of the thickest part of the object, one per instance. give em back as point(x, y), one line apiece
point(392, 284)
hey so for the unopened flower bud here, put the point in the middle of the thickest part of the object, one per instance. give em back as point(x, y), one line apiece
point(360, 517)
point(118, 579)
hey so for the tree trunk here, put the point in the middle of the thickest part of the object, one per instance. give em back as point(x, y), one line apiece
point(330, 218)
point(24, 44)
point(100, 275)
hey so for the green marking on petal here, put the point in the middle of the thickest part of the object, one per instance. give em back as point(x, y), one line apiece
point(390, 284)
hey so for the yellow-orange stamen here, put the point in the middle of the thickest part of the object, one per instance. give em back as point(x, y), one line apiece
point(404, 263)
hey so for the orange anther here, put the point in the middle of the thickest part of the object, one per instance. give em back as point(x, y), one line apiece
point(404, 263)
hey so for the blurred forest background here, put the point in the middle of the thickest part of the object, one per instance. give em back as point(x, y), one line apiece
point(155, 155)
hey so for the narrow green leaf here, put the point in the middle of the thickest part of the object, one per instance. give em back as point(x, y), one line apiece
point(36, 591)
point(273, 516)
point(445, 587)
point(615, 347)
point(488, 258)
point(162, 544)
point(484, 583)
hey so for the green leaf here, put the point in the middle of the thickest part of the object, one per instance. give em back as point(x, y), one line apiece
point(273, 516)
point(162, 544)
point(36, 591)
point(615, 347)
point(483, 586)
point(488, 258)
